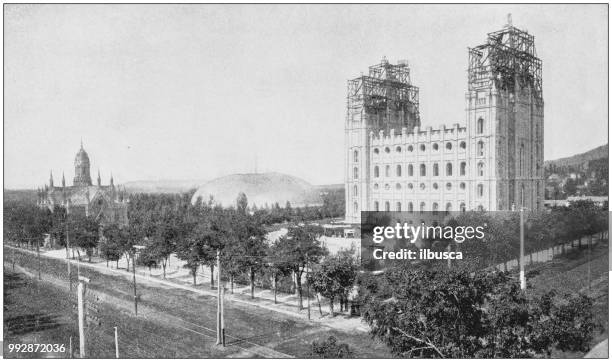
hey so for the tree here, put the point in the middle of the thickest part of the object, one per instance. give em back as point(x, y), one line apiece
point(249, 245)
point(112, 247)
point(459, 314)
point(299, 248)
point(84, 233)
point(334, 277)
point(330, 348)
point(276, 265)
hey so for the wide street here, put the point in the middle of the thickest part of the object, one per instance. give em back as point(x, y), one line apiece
point(171, 322)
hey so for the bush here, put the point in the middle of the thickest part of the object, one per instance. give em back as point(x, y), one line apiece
point(330, 348)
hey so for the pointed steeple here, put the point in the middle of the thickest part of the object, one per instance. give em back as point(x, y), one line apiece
point(111, 180)
point(50, 179)
point(63, 180)
point(99, 179)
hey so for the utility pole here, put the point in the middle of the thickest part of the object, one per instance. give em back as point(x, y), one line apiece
point(522, 256)
point(116, 344)
point(589, 262)
point(68, 258)
point(219, 317)
point(307, 288)
point(134, 277)
point(222, 312)
point(38, 257)
point(81, 308)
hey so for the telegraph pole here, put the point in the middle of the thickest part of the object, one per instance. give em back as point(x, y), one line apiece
point(116, 344)
point(81, 308)
point(38, 257)
point(522, 256)
point(134, 277)
point(307, 288)
point(219, 317)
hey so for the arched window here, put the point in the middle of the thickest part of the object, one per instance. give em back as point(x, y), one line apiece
point(376, 171)
point(398, 171)
point(449, 186)
point(375, 186)
point(422, 186)
point(449, 208)
point(355, 191)
point(387, 206)
point(423, 170)
point(434, 208)
point(480, 190)
point(480, 169)
point(387, 171)
point(462, 207)
point(449, 146)
point(410, 148)
point(398, 186)
point(435, 146)
point(462, 185)
point(410, 170)
point(422, 207)
point(449, 169)
point(435, 185)
point(462, 168)
point(398, 149)
point(376, 151)
point(462, 145)
point(376, 208)
point(410, 186)
point(410, 208)
point(480, 148)
point(355, 173)
point(398, 206)
point(435, 169)
point(387, 150)
point(355, 207)
point(422, 147)
point(480, 126)
point(355, 156)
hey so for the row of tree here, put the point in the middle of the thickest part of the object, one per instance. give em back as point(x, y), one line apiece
point(162, 225)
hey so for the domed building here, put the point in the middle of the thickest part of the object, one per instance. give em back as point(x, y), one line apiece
point(261, 189)
point(107, 203)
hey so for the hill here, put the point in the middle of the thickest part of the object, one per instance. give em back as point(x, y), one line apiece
point(162, 186)
point(579, 159)
point(261, 189)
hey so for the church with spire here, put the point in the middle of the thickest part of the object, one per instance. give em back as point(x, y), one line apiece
point(107, 203)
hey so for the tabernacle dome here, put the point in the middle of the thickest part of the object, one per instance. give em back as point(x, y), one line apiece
point(261, 189)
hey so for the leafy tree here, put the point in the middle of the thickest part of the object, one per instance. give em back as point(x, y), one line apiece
point(334, 277)
point(84, 233)
point(248, 246)
point(459, 314)
point(112, 247)
point(330, 348)
point(299, 248)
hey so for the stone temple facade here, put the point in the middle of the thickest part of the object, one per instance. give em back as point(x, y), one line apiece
point(107, 203)
point(492, 162)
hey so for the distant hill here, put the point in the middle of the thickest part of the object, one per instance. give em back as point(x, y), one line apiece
point(162, 186)
point(261, 189)
point(579, 159)
point(20, 195)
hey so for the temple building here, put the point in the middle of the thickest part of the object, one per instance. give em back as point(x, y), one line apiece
point(107, 203)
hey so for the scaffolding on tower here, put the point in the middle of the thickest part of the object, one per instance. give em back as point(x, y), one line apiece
point(508, 60)
point(385, 97)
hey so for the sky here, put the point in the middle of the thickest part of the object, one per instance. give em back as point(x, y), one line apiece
point(200, 91)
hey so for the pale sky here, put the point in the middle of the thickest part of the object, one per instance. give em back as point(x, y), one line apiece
point(200, 91)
